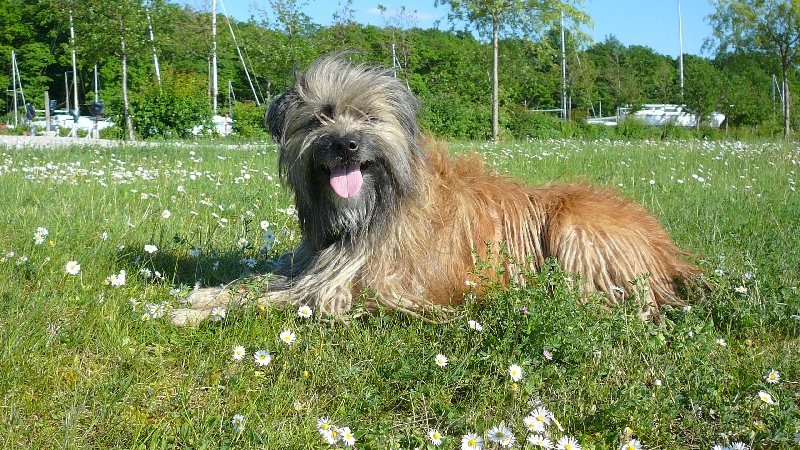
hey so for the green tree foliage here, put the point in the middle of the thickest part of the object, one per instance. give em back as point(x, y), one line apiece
point(451, 70)
point(172, 108)
point(768, 27)
point(527, 17)
point(702, 83)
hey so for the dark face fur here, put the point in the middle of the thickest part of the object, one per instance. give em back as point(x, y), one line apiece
point(349, 145)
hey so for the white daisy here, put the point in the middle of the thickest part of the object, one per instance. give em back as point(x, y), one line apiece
point(515, 372)
point(474, 325)
point(150, 248)
point(441, 360)
point(436, 437)
point(239, 352)
point(73, 267)
point(166, 214)
point(568, 443)
point(288, 337)
point(218, 313)
point(262, 357)
point(238, 422)
point(304, 311)
point(501, 435)
point(471, 441)
point(766, 397)
point(540, 441)
point(633, 444)
point(773, 377)
point(347, 436)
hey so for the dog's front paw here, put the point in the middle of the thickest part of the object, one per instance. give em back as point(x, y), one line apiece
point(199, 305)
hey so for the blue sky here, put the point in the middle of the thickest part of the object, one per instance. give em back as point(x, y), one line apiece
point(652, 23)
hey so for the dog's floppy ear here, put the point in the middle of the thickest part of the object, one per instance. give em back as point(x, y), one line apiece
point(278, 111)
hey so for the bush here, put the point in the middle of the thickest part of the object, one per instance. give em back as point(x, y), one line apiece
point(451, 117)
point(173, 108)
point(248, 119)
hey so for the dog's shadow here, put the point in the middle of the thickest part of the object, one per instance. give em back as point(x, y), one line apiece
point(207, 269)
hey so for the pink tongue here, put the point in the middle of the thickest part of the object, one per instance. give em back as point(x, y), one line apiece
point(346, 180)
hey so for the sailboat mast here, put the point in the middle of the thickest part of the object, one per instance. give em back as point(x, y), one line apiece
point(241, 59)
point(214, 85)
point(14, 83)
point(680, 34)
point(153, 45)
point(74, 75)
point(563, 72)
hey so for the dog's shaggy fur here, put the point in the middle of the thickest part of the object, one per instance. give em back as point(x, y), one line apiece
point(386, 212)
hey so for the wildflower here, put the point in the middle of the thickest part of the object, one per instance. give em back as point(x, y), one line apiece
point(324, 425)
point(269, 236)
point(265, 225)
point(166, 214)
point(304, 311)
point(347, 436)
point(547, 355)
point(249, 262)
point(471, 441)
point(145, 272)
point(73, 267)
point(155, 310)
point(738, 446)
point(117, 279)
point(515, 372)
point(501, 435)
point(657, 382)
point(766, 397)
point(332, 436)
point(238, 422)
point(773, 377)
point(195, 252)
point(524, 311)
point(540, 441)
point(538, 419)
point(38, 239)
point(740, 290)
point(288, 337)
point(436, 437)
point(42, 231)
point(150, 248)
point(262, 357)
point(242, 243)
point(568, 443)
point(474, 325)
point(441, 360)
point(633, 444)
point(721, 342)
point(238, 353)
point(218, 313)
point(471, 284)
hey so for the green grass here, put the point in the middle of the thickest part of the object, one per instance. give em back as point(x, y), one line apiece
point(80, 368)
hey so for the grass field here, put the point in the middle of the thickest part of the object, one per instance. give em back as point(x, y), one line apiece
point(88, 361)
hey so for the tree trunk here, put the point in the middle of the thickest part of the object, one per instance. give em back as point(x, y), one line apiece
point(495, 82)
point(786, 118)
point(126, 106)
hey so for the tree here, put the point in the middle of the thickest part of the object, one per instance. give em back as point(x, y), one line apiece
point(111, 28)
point(701, 93)
point(771, 27)
point(524, 16)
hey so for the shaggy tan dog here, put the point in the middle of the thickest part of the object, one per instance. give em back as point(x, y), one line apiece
point(387, 216)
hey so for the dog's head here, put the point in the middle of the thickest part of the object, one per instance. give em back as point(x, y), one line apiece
point(349, 142)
